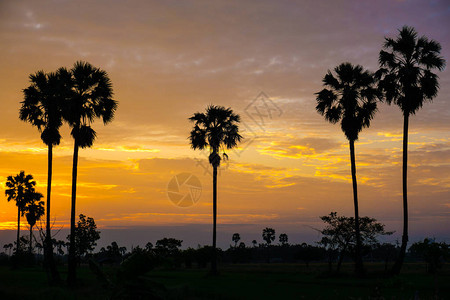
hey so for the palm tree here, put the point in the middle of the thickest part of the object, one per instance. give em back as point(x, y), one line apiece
point(350, 98)
point(218, 130)
point(42, 107)
point(407, 81)
point(20, 188)
point(91, 98)
point(34, 211)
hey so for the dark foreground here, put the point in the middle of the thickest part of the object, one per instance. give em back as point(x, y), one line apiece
point(249, 281)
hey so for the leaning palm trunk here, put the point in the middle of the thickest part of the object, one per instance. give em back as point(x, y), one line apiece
point(71, 279)
point(359, 264)
point(214, 254)
point(48, 248)
point(399, 262)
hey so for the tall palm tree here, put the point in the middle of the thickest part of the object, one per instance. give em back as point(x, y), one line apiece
point(34, 211)
point(350, 98)
point(91, 98)
point(218, 130)
point(42, 108)
point(20, 188)
point(407, 81)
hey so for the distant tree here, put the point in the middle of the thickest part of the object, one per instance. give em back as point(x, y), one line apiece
point(283, 239)
point(268, 235)
point(407, 81)
point(217, 129)
point(168, 245)
point(339, 234)
point(86, 236)
point(90, 98)
point(122, 250)
point(241, 245)
point(236, 238)
point(433, 253)
point(34, 211)
point(21, 189)
point(42, 108)
point(254, 243)
point(149, 246)
point(350, 98)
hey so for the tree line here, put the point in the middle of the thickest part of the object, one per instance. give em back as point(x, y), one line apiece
point(350, 96)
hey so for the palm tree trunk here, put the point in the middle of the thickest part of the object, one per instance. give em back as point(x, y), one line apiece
point(31, 237)
point(399, 262)
point(71, 279)
point(359, 264)
point(48, 248)
point(18, 230)
point(214, 254)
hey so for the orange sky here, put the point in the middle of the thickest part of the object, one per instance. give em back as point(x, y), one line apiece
point(170, 59)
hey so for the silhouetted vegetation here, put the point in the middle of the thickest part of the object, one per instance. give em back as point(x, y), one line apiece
point(407, 81)
point(84, 93)
point(217, 129)
point(43, 108)
point(351, 99)
point(21, 189)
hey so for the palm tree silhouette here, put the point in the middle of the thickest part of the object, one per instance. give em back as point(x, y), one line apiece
point(34, 211)
point(42, 107)
point(218, 130)
point(20, 188)
point(407, 81)
point(350, 98)
point(91, 98)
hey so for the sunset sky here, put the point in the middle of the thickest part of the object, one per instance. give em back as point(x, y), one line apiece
point(170, 59)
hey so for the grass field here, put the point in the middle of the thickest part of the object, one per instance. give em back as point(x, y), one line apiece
point(246, 281)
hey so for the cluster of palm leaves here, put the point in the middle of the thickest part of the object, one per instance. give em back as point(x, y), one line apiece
point(77, 96)
point(22, 189)
point(350, 96)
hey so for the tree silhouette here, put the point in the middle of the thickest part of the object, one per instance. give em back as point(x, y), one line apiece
point(217, 129)
point(407, 81)
point(236, 238)
point(34, 211)
point(20, 188)
point(268, 235)
point(283, 239)
point(86, 236)
point(42, 108)
point(350, 98)
point(91, 98)
point(339, 234)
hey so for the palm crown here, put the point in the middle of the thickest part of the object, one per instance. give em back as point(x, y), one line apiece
point(35, 210)
point(406, 70)
point(349, 97)
point(42, 103)
point(21, 189)
point(216, 129)
point(91, 97)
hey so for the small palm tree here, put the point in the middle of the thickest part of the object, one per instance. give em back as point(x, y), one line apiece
point(218, 130)
point(407, 81)
point(91, 98)
point(20, 188)
point(42, 108)
point(350, 98)
point(34, 211)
